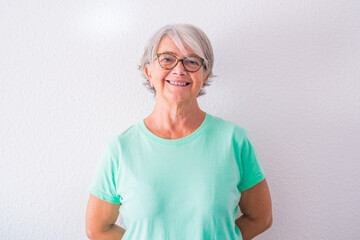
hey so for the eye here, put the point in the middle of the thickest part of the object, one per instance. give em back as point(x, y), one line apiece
point(167, 59)
point(193, 62)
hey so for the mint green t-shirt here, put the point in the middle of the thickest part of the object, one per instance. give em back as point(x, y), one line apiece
point(179, 189)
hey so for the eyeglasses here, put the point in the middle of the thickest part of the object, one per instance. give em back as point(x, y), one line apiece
point(168, 61)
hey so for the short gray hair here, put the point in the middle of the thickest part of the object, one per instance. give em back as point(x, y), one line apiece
point(192, 36)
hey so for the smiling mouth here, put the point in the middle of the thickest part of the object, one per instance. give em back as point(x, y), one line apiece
point(177, 84)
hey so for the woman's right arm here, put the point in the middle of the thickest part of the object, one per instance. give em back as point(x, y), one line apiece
point(100, 220)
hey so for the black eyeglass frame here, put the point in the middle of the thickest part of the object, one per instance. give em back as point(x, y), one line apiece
point(177, 61)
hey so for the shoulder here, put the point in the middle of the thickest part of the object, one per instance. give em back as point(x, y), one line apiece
point(118, 141)
point(125, 135)
point(228, 127)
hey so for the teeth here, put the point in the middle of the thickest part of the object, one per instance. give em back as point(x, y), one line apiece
point(178, 83)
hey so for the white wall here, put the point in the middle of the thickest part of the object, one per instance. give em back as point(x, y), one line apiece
point(289, 72)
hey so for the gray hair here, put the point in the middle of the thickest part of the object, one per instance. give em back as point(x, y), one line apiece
point(192, 36)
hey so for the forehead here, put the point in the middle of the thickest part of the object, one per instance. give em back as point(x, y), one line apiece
point(168, 45)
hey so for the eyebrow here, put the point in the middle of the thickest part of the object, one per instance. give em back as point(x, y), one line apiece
point(189, 55)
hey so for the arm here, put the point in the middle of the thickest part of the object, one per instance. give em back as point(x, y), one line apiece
point(100, 220)
point(255, 204)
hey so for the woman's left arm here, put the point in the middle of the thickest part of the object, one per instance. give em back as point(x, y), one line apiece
point(255, 204)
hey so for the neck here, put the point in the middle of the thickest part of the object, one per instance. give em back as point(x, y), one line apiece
point(176, 117)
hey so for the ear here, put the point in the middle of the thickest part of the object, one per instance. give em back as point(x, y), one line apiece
point(148, 75)
point(206, 78)
point(147, 72)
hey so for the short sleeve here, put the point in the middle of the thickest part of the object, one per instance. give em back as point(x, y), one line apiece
point(103, 184)
point(251, 168)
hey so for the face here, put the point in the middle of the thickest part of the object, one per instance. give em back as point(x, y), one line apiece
point(161, 78)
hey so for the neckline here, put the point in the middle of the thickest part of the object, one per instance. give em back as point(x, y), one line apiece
point(176, 141)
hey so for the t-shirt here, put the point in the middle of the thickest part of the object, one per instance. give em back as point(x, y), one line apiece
point(179, 189)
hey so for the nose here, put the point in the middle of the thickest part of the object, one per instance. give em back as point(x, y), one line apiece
point(179, 69)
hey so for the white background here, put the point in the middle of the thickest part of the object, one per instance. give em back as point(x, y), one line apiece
point(288, 72)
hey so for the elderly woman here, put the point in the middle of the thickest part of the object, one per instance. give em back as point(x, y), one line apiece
point(180, 173)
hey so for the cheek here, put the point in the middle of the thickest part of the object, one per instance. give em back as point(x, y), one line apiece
point(159, 75)
point(198, 78)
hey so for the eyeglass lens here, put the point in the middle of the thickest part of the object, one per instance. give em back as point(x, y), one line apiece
point(169, 61)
